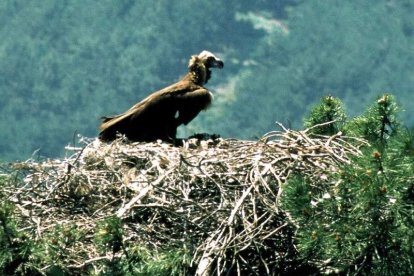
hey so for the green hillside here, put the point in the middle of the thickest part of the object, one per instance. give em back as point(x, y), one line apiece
point(64, 64)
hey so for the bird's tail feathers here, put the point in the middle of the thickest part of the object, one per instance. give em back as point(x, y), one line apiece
point(106, 118)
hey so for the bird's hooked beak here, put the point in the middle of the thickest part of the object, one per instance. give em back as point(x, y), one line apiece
point(217, 63)
point(210, 60)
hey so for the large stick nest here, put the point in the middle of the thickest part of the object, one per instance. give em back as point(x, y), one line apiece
point(219, 198)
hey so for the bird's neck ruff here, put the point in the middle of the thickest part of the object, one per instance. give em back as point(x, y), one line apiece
point(198, 72)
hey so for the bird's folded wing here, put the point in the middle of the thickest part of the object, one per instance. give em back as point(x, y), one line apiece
point(158, 97)
point(191, 103)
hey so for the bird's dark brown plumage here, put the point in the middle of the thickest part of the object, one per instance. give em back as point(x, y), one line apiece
point(159, 115)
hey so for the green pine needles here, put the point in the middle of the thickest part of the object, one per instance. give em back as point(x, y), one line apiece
point(329, 110)
point(360, 219)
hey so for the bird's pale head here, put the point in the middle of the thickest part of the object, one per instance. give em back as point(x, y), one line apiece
point(205, 60)
point(210, 60)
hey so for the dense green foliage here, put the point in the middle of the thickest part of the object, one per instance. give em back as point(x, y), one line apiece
point(21, 256)
point(63, 64)
point(329, 112)
point(15, 246)
point(359, 220)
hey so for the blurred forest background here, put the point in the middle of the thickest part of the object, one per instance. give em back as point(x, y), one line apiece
point(63, 64)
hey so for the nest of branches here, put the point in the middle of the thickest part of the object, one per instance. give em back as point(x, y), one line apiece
point(220, 198)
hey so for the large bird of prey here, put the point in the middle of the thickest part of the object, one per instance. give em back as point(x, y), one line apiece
point(159, 115)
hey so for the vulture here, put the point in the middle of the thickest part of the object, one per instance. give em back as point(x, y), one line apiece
point(159, 114)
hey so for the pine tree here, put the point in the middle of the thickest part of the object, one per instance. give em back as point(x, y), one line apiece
point(15, 247)
point(359, 220)
point(330, 109)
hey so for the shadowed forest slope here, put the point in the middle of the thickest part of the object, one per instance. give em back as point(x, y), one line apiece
point(63, 64)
